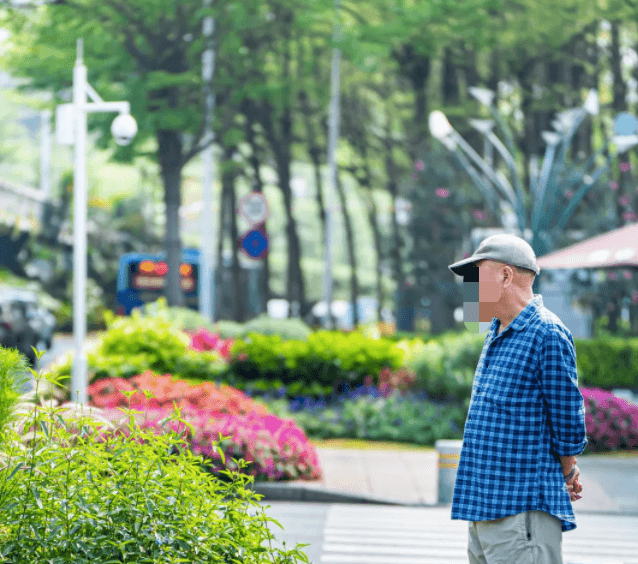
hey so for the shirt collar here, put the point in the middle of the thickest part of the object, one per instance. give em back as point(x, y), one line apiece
point(525, 316)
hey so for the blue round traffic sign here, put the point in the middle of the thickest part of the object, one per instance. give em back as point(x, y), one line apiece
point(255, 243)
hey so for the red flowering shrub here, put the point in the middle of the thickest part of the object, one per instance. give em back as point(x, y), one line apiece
point(401, 379)
point(204, 340)
point(611, 422)
point(215, 400)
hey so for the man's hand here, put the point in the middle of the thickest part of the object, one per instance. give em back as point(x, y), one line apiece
point(574, 487)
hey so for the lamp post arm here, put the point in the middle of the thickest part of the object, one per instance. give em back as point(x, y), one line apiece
point(512, 166)
point(486, 189)
point(539, 195)
point(507, 132)
point(121, 107)
point(504, 186)
point(589, 162)
point(582, 192)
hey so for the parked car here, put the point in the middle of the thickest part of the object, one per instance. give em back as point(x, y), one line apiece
point(23, 324)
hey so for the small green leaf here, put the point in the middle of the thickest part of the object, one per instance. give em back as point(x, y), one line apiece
point(37, 497)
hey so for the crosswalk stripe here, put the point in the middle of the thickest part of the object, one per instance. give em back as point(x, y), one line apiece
point(391, 535)
point(432, 558)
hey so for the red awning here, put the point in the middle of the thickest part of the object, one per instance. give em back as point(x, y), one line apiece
point(616, 248)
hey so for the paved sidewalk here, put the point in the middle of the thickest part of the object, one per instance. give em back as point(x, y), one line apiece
point(411, 479)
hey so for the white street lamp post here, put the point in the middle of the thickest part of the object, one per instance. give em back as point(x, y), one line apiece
point(124, 129)
point(207, 249)
point(333, 136)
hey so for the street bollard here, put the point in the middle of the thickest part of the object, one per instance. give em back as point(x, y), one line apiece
point(449, 454)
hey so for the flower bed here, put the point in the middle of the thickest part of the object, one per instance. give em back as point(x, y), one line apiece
point(612, 422)
point(277, 448)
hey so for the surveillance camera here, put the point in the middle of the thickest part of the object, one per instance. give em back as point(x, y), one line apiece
point(124, 128)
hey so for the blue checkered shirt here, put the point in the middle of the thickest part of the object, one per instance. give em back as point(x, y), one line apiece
point(525, 412)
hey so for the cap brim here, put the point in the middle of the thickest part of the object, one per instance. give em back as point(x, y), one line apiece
point(460, 267)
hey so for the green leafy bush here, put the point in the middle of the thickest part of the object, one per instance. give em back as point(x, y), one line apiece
point(326, 357)
point(14, 374)
point(133, 344)
point(102, 496)
point(185, 318)
point(287, 329)
point(607, 363)
point(190, 320)
point(445, 366)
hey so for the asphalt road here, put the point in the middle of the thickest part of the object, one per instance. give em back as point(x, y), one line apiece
point(374, 534)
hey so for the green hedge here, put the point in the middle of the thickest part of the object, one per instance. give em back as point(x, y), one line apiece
point(607, 363)
point(325, 357)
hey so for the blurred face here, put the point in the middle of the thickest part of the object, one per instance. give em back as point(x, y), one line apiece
point(482, 292)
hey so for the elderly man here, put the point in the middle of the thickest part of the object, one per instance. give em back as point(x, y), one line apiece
point(517, 474)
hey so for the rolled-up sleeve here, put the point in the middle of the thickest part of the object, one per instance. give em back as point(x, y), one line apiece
point(565, 403)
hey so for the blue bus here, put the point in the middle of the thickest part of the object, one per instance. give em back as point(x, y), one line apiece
point(141, 278)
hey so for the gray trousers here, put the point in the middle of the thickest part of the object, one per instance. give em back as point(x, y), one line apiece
point(531, 537)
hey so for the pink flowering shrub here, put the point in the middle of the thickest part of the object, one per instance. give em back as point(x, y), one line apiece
point(204, 340)
point(276, 448)
point(611, 422)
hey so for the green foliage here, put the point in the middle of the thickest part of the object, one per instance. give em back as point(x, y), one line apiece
point(78, 495)
point(287, 329)
point(185, 318)
point(134, 344)
point(394, 418)
point(158, 340)
point(326, 357)
point(608, 362)
point(445, 366)
point(14, 373)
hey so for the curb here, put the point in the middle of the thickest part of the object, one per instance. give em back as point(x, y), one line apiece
point(294, 492)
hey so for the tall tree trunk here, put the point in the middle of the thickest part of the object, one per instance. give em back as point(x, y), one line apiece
point(584, 51)
point(354, 280)
point(493, 79)
point(373, 219)
point(170, 154)
point(258, 186)
point(450, 82)
point(535, 121)
point(10, 248)
point(467, 67)
point(229, 173)
point(220, 267)
point(619, 104)
point(619, 101)
point(416, 68)
point(392, 187)
point(316, 154)
point(313, 147)
point(613, 313)
point(280, 146)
